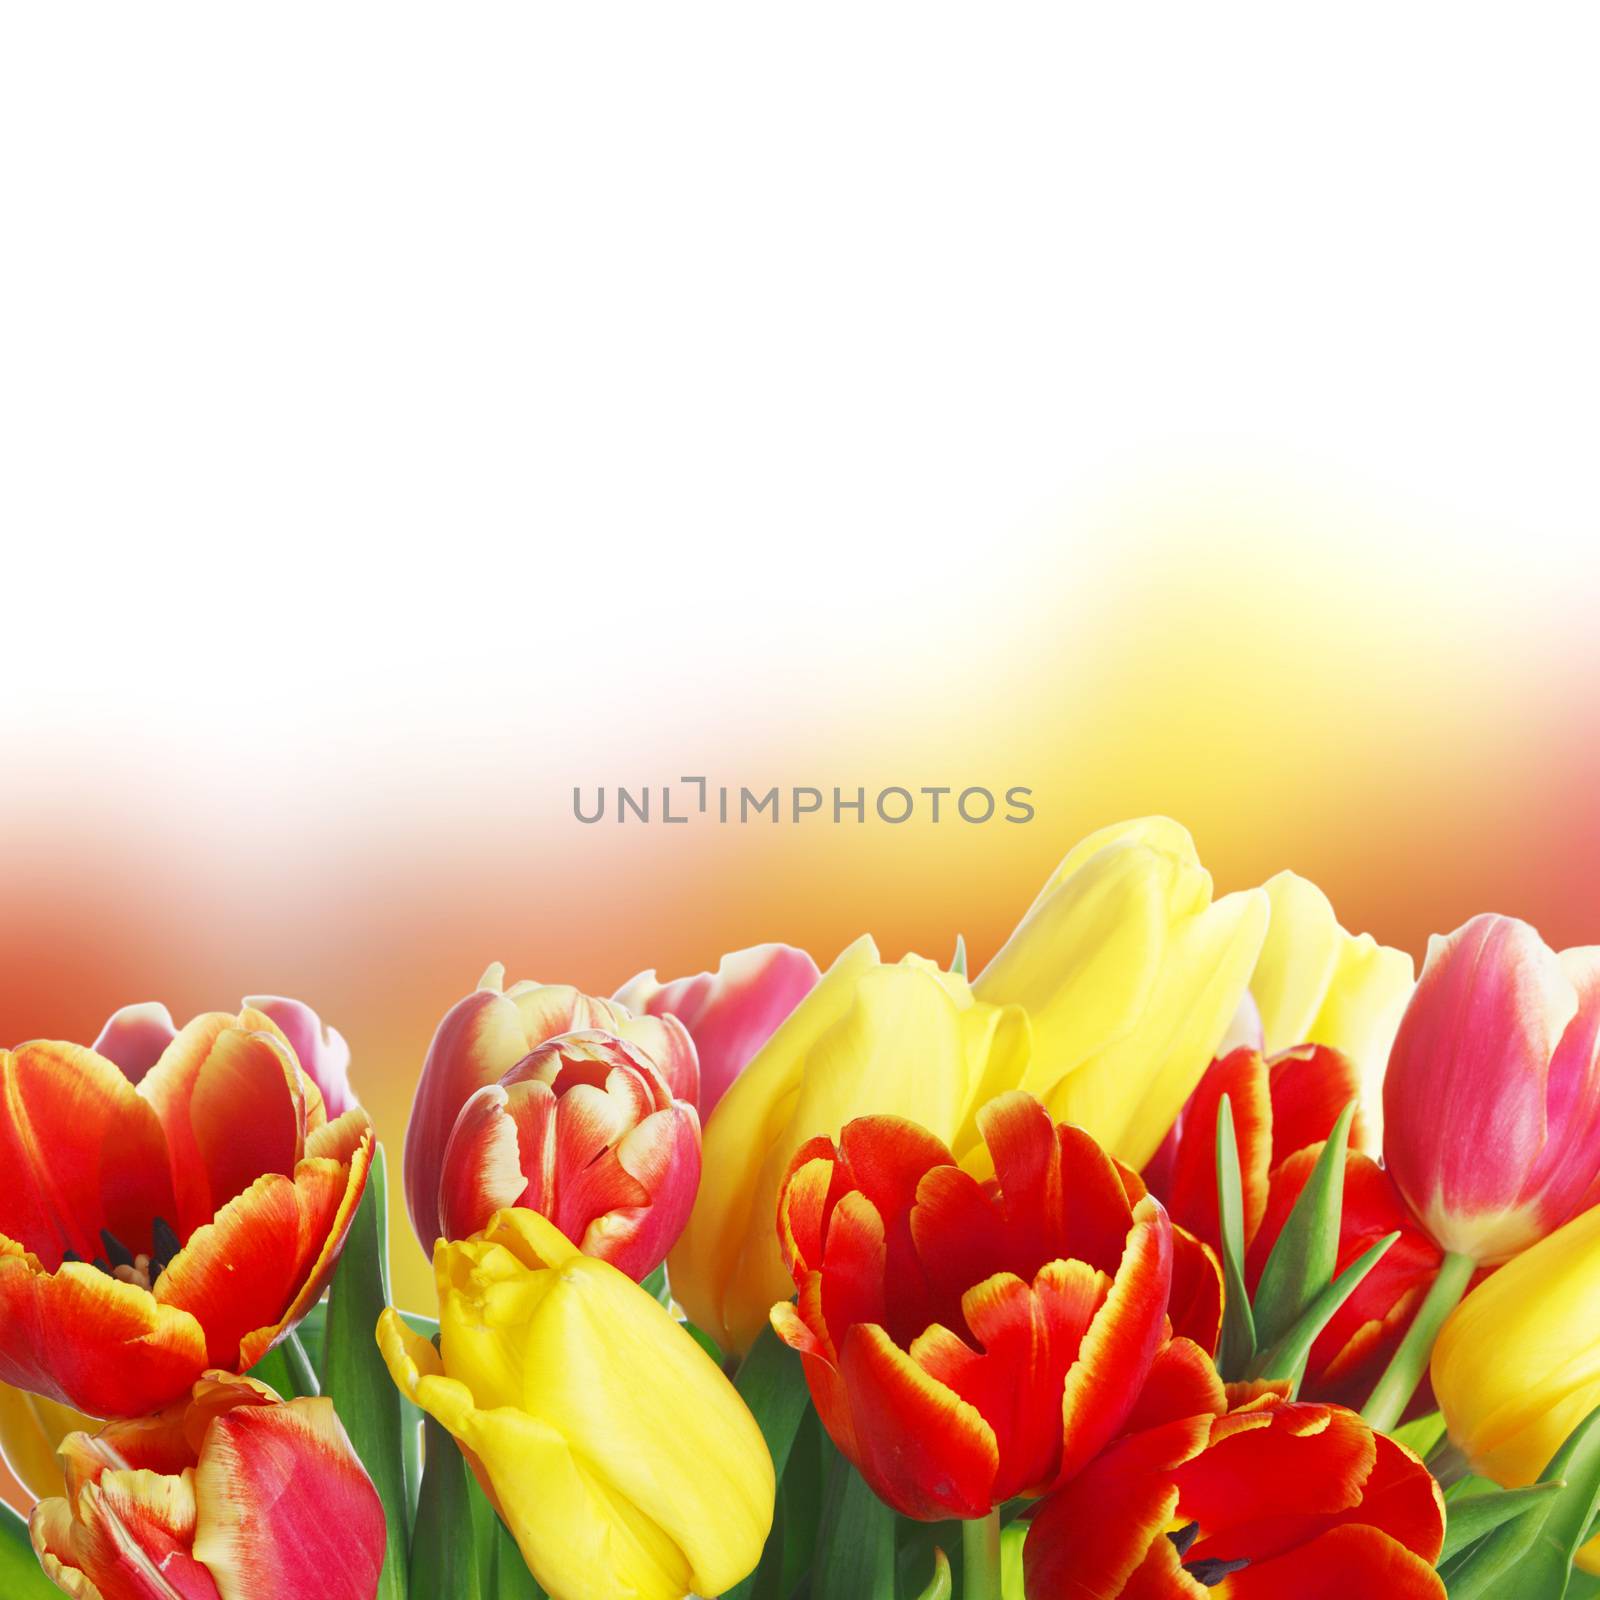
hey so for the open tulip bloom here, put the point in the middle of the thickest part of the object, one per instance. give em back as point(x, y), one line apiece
point(1189, 1250)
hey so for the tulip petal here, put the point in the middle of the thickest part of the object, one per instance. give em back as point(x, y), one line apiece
point(659, 1159)
point(1310, 1085)
point(288, 1466)
point(1195, 1306)
point(134, 1038)
point(1183, 1382)
point(322, 1052)
point(1352, 1559)
point(1566, 1177)
point(1192, 1190)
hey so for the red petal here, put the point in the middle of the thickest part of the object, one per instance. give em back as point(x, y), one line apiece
point(1192, 1198)
point(1344, 1562)
point(1310, 1085)
point(960, 1240)
point(1183, 1382)
point(501, 1153)
point(803, 1211)
point(1195, 1308)
point(661, 1160)
point(925, 1451)
point(852, 1267)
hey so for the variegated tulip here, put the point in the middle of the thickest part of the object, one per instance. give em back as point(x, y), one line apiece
point(730, 1013)
point(484, 1036)
point(236, 1495)
point(618, 1455)
point(1131, 976)
point(151, 1231)
point(136, 1036)
point(585, 1131)
point(1493, 1091)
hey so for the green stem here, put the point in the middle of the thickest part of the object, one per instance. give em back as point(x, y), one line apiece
point(305, 1375)
point(1399, 1382)
point(980, 1558)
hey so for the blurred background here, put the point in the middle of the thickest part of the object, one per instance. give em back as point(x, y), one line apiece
point(402, 426)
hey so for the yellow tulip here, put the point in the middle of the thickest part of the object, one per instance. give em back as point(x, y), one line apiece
point(1517, 1366)
point(1131, 975)
point(905, 1040)
point(620, 1458)
point(31, 1428)
point(1317, 984)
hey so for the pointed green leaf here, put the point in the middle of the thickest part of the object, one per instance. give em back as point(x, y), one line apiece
point(21, 1577)
point(1287, 1358)
point(1306, 1254)
point(444, 1549)
point(855, 1546)
point(1421, 1435)
point(1238, 1325)
point(958, 962)
point(485, 1534)
point(1470, 1516)
point(800, 1494)
point(939, 1585)
point(355, 1377)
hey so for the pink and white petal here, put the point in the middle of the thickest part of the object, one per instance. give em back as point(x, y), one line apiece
point(134, 1038)
point(482, 1170)
point(323, 1053)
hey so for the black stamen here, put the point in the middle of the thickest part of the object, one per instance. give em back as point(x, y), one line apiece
point(1185, 1537)
point(120, 1255)
point(165, 1244)
point(103, 1265)
point(1211, 1572)
point(71, 1255)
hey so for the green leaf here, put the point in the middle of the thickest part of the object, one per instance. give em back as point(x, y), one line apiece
point(273, 1369)
point(1238, 1324)
point(855, 1546)
point(657, 1287)
point(444, 1550)
point(1287, 1358)
point(800, 1496)
point(512, 1579)
point(21, 1576)
point(958, 965)
point(485, 1535)
point(355, 1378)
point(939, 1585)
point(1532, 1555)
point(1304, 1259)
point(1421, 1435)
point(1470, 1516)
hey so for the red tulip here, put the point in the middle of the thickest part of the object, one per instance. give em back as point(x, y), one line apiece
point(234, 1495)
point(966, 1342)
point(135, 1037)
point(484, 1036)
point(150, 1232)
point(730, 1013)
point(584, 1131)
point(1492, 1100)
point(1284, 1108)
point(1273, 1499)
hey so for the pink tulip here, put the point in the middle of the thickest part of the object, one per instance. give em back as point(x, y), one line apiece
point(135, 1037)
point(482, 1037)
point(1492, 1100)
point(585, 1131)
point(730, 1013)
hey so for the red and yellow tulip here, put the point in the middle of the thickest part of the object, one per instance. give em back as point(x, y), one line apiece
point(1271, 1500)
point(585, 1131)
point(965, 1342)
point(1493, 1091)
point(485, 1035)
point(233, 1495)
point(730, 1013)
point(151, 1231)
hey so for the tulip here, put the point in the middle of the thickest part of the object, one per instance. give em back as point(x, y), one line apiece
point(1272, 1499)
point(1131, 977)
point(31, 1431)
point(136, 1036)
point(1493, 1093)
point(234, 1495)
point(613, 1448)
point(484, 1036)
point(1283, 1111)
point(730, 1013)
point(967, 1342)
point(151, 1231)
point(1316, 984)
point(584, 1130)
point(906, 1040)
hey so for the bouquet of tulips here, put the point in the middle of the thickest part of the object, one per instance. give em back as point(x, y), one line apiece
point(1192, 1249)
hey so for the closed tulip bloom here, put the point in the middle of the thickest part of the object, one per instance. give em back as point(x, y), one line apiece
point(1493, 1090)
point(31, 1431)
point(151, 1231)
point(1316, 984)
point(730, 1013)
point(968, 1342)
point(1131, 977)
point(484, 1036)
point(907, 1040)
point(136, 1036)
point(620, 1458)
point(1273, 1500)
point(584, 1130)
point(235, 1495)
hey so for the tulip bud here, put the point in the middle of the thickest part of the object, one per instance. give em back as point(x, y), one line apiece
point(1493, 1092)
point(584, 1131)
point(730, 1013)
point(234, 1493)
point(615, 1451)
